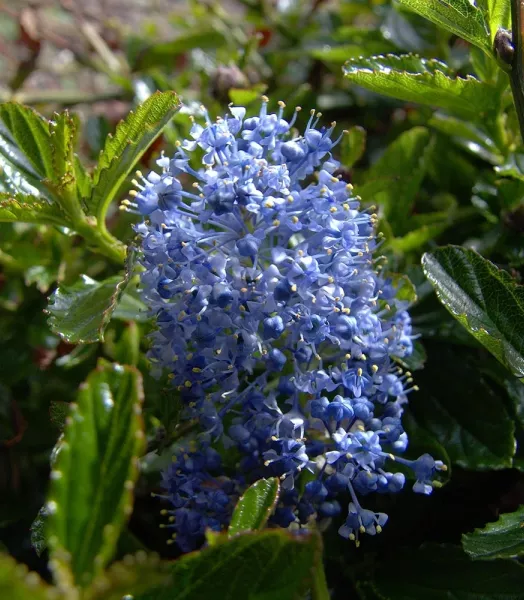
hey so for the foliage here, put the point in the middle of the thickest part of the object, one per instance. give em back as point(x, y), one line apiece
point(430, 93)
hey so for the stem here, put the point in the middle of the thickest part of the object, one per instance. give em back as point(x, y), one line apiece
point(102, 240)
point(516, 74)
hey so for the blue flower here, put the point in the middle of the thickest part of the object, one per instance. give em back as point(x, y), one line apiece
point(257, 263)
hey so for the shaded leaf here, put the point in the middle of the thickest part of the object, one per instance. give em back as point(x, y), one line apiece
point(38, 537)
point(437, 572)
point(461, 17)
point(502, 539)
point(463, 412)
point(274, 565)
point(255, 506)
point(484, 299)
point(353, 146)
point(165, 53)
point(414, 79)
point(95, 471)
point(401, 170)
point(122, 151)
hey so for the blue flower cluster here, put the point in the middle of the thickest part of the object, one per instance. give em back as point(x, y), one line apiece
point(274, 324)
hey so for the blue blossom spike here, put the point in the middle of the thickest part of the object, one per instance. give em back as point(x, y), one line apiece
point(273, 324)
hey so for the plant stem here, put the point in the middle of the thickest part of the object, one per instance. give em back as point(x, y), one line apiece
point(516, 74)
point(102, 240)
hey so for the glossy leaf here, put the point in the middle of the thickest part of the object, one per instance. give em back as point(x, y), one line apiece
point(95, 471)
point(414, 79)
point(80, 313)
point(461, 17)
point(270, 564)
point(255, 506)
point(17, 174)
point(400, 170)
point(464, 414)
point(503, 539)
point(484, 299)
point(122, 151)
point(16, 583)
point(437, 572)
point(30, 132)
point(30, 209)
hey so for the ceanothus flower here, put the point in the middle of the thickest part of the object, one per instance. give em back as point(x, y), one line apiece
point(274, 324)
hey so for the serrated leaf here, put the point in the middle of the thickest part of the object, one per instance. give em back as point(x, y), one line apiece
point(122, 151)
point(413, 79)
point(255, 506)
point(352, 146)
point(16, 583)
point(17, 174)
point(462, 17)
point(30, 209)
point(63, 138)
point(273, 565)
point(80, 313)
point(437, 572)
point(484, 299)
point(401, 170)
point(30, 132)
point(94, 473)
point(465, 415)
point(503, 539)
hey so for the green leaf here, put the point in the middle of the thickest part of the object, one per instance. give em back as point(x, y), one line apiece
point(468, 136)
point(255, 506)
point(353, 146)
point(80, 313)
point(63, 139)
point(414, 79)
point(17, 174)
point(30, 132)
point(437, 572)
point(465, 414)
point(499, 15)
point(16, 583)
point(165, 53)
point(122, 151)
point(267, 565)
point(30, 209)
point(38, 540)
point(503, 539)
point(461, 17)
point(401, 170)
point(95, 471)
point(484, 299)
